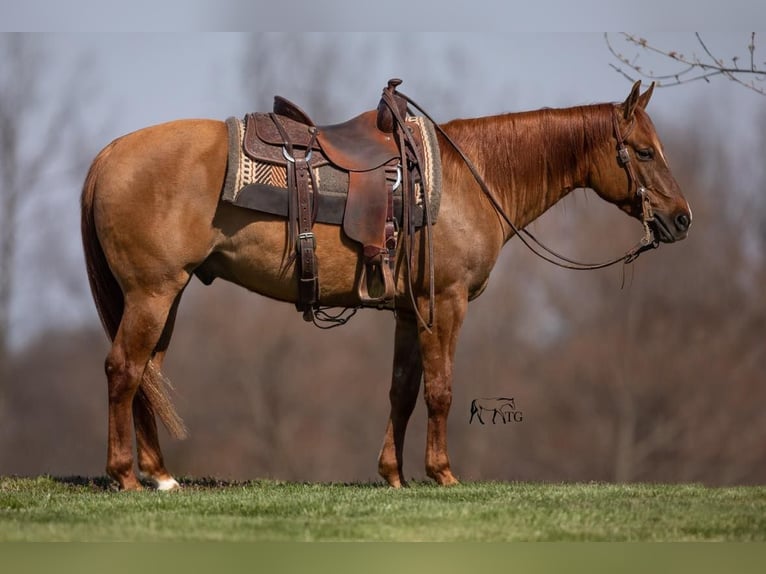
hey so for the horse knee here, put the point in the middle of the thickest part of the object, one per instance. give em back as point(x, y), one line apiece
point(123, 377)
point(438, 399)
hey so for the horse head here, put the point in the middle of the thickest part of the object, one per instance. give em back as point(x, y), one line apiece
point(637, 178)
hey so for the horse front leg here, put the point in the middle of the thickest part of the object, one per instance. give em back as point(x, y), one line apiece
point(438, 352)
point(405, 382)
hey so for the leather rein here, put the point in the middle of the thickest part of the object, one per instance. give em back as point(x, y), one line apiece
point(647, 242)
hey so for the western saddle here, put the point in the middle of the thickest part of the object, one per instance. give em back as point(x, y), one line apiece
point(378, 152)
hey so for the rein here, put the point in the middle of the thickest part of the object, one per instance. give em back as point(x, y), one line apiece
point(648, 242)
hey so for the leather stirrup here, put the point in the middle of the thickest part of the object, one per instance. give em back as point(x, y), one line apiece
point(387, 275)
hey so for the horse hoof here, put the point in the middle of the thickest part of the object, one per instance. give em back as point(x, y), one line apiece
point(393, 481)
point(168, 484)
point(446, 479)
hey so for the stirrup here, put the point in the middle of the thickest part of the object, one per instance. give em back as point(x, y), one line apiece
point(387, 275)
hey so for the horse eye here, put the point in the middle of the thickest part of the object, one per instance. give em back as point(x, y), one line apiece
point(645, 154)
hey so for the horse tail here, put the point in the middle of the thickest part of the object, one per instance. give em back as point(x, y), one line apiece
point(103, 286)
point(110, 302)
point(474, 411)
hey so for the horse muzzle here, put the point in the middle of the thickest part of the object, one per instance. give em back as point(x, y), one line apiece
point(670, 228)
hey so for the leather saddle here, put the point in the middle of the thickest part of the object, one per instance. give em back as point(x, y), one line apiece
point(369, 147)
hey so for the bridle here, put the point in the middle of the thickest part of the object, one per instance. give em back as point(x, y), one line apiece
point(647, 215)
point(648, 241)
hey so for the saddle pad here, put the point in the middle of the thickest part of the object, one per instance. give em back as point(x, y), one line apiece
point(263, 186)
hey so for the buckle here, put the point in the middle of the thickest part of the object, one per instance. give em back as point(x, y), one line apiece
point(398, 178)
point(291, 159)
point(308, 236)
point(623, 155)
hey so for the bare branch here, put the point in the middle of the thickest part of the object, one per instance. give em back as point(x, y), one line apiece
point(692, 68)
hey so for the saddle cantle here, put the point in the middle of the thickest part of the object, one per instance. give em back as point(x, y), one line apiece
point(372, 158)
point(285, 107)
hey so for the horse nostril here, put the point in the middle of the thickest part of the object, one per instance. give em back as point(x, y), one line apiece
point(683, 221)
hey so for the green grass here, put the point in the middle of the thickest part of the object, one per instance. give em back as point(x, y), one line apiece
point(51, 509)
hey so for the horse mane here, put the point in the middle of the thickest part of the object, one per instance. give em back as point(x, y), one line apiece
point(534, 158)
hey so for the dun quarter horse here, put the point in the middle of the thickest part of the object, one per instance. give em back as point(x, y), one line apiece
point(152, 218)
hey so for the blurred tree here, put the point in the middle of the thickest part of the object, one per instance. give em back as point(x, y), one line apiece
point(333, 77)
point(18, 94)
point(36, 128)
point(16, 55)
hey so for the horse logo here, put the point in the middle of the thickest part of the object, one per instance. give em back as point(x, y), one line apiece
point(503, 407)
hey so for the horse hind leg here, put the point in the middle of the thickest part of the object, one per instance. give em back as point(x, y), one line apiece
point(151, 463)
point(141, 327)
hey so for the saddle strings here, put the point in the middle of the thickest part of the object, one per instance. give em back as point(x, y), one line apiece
point(526, 237)
point(405, 136)
point(324, 319)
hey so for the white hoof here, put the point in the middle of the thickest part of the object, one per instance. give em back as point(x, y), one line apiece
point(167, 484)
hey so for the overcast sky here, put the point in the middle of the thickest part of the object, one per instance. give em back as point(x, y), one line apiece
point(335, 15)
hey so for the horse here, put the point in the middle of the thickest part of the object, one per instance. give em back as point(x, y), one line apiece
point(152, 218)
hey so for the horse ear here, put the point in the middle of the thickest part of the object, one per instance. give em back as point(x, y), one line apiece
point(644, 98)
point(629, 107)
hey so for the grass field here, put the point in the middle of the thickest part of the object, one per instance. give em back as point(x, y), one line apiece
point(77, 509)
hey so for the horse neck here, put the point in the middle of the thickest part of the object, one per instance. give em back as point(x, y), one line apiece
point(531, 160)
